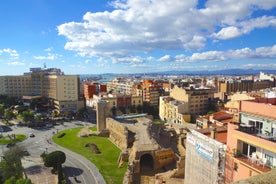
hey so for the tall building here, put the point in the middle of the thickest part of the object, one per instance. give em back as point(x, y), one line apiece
point(51, 83)
point(93, 89)
point(251, 144)
point(151, 92)
point(15, 86)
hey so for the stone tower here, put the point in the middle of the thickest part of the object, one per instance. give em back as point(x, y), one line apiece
point(102, 113)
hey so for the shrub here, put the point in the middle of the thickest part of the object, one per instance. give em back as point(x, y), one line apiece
point(61, 135)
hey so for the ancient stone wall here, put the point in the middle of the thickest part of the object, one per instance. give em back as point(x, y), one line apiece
point(163, 157)
point(118, 133)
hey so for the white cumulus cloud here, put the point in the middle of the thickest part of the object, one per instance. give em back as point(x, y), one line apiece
point(10, 52)
point(49, 56)
point(142, 26)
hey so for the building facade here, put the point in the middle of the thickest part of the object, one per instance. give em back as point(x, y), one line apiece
point(15, 86)
point(51, 83)
point(151, 92)
point(93, 89)
point(251, 144)
point(118, 103)
point(205, 159)
point(187, 103)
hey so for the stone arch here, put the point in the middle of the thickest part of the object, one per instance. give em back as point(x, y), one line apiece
point(146, 163)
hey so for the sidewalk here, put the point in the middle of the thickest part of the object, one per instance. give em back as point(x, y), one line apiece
point(37, 172)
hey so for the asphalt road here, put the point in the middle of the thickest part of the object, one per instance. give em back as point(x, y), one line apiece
point(77, 168)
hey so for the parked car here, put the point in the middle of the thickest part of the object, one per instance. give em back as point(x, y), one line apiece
point(31, 135)
point(49, 125)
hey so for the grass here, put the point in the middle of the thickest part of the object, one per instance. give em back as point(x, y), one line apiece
point(7, 139)
point(106, 162)
point(159, 122)
point(94, 128)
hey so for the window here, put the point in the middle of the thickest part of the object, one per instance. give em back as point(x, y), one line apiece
point(269, 159)
point(250, 172)
point(259, 126)
point(236, 166)
point(248, 149)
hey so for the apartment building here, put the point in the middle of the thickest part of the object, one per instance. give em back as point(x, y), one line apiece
point(187, 103)
point(93, 88)
point(173, 111)
point(118, 103)
point(122, 85)
point(51, 83)
point(151, 92)
point(15, 86)
point(198, 99)
point(238, 85)
point(251, 144)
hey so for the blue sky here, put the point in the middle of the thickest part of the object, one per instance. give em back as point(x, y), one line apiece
point(136, 36)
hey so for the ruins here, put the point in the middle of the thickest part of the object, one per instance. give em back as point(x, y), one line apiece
point(153, 151)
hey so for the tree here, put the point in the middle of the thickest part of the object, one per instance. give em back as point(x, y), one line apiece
point(81, 112)
point(11, 163)
point(55, 113)
point(2, 110)
point(38, 117)
point(54, 159)
point(9, 114)
point(23, 181)
point(13, 180)
point(7, 100)
point(27, 116)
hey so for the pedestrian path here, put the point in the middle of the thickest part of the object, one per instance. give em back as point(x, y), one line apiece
point(37, 172)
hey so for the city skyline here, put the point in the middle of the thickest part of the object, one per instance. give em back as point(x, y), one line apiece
point(94, 37)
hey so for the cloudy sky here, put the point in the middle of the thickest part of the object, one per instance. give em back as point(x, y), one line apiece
point(136, 36)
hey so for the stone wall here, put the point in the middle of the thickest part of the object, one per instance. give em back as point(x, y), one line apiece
point(163, 158)
point(118, 133)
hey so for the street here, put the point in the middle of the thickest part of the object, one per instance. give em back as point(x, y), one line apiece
point(77, 169)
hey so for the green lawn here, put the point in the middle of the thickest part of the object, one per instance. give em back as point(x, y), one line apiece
point(159, 122)
point(7, 139)
point(106, 162)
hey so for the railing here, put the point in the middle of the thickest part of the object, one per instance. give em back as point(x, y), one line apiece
point(256, 132)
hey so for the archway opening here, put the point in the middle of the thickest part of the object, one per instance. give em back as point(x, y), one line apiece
point(146, 163)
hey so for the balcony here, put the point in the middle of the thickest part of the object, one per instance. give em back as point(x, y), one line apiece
point(249, 129)
point(253, 164)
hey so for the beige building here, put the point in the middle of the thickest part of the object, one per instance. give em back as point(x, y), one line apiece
point(15, 86)
point(117, 103)
point(49, 83)
point(122, 85)
point(185, 103)
point(173, 111)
